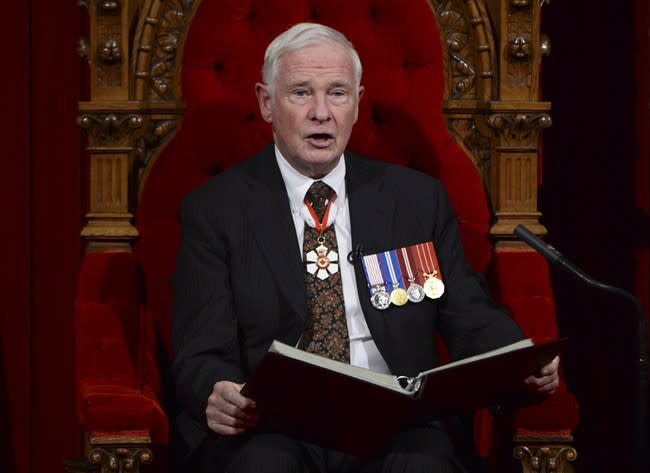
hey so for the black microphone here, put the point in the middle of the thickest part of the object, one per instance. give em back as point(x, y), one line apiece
point(356, 254)
point(554, 257)
point(551, 254)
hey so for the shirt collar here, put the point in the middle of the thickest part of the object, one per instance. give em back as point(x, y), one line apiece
point(297, 184)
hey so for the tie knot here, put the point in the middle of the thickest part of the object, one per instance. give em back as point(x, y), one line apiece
point(318, 196)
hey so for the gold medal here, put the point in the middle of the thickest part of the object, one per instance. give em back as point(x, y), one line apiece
point(434, 288)
point(398, 296)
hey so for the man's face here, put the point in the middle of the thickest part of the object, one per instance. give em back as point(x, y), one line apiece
point(313, 107)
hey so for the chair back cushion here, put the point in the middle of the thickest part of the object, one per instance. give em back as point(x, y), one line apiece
point(400, 117)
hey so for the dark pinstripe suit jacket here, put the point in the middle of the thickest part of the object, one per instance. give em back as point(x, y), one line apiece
point(239, 280)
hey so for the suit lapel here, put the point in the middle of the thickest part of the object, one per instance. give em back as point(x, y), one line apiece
point(270, 220)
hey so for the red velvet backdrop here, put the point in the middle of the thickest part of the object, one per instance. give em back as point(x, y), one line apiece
point(41, 208)
point(595, 174)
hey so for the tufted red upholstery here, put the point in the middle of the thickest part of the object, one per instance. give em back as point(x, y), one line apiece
point(118, 386)
point(400, 121)
point(400, 118)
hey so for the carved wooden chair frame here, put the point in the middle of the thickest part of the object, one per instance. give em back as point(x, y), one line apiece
point(493, 54)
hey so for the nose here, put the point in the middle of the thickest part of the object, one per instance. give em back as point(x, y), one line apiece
point(319, 110)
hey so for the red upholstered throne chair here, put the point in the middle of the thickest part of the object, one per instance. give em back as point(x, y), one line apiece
point(451, 89)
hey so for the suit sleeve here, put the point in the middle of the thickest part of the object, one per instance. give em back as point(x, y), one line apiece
point(470, 321)
point(204, 329)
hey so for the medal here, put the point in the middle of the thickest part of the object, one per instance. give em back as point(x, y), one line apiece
point(415, 292)
point(433, 285)
point(388, 271)
point(436, 284)
point(379, 298)
point(398, 295)
point(321, 261)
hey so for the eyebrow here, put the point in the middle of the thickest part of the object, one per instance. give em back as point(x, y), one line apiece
point(340, 83)
point(302, 83)
point(307, 83)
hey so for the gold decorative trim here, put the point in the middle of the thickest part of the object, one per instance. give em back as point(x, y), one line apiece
point(113, 129)
point(545, 45)
point(146, 147)
point(110, 5)
point(159, 42)
point(470, 51)
point(520, 129)
point(83, 49)
point(542, 457)
point(520, 50)
point(478, 145)
point(520, 47)
point(110, 52)
point(120, 459)
point(110, 64)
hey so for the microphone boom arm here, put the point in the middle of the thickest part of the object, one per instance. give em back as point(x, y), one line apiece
point(555, 257)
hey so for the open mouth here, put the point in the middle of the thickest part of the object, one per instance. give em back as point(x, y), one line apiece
point(320, 140)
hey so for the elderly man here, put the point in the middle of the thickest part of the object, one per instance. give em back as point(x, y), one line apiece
point(262, 257)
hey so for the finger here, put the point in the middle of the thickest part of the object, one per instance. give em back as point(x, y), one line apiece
point(538, 382)
point(234, 397)
point(229, 391)
point(232, 421)
point(223, 423)
point(548, 388)
point(544, 384)
point(223, 429)
point(220, 409)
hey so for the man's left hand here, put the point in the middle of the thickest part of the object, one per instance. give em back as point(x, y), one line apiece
point(548, 379)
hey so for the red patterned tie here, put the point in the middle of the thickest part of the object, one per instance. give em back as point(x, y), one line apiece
point(326, 329)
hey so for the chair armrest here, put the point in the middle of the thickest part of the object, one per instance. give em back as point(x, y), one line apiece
point(520, 281)
point(117, 379)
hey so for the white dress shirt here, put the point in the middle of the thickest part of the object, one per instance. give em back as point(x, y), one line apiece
point(363, 351)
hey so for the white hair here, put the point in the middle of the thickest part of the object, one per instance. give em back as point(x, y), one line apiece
point(301, 36)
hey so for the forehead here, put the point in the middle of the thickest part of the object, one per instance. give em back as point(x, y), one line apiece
point(328, 59)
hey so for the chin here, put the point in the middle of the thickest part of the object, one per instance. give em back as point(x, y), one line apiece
point(323, 159)
point(320, 164)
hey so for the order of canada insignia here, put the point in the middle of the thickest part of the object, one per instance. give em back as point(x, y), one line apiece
point(322, 262)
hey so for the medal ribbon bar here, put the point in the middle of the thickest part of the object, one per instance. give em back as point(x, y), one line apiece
point(433, 285)
point(379, 297)
point(415, 291)
point(398, 295)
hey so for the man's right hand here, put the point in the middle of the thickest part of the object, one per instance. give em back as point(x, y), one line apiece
point(228, 412)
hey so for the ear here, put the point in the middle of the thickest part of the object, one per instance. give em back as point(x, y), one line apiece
point(264, 101)
point(356, 113)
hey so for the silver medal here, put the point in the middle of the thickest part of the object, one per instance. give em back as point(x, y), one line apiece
point(380, 300)
point(415, 293)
